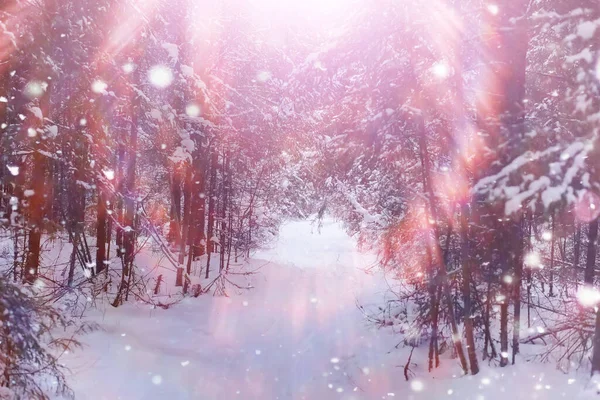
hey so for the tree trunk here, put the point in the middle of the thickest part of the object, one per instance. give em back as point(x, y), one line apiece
point(576, 252)
point(198, 203)
point(504, 329)
point(101, 237)
point(120, 176)
point(36, 218)
point(210, 244)
point(224, 205)
point(590, 262)
point(187, 207)
point(435, 243)
point(466, 288)
point(434, 312)
point(589, 274)
point(188, 268)
point(596, 345)
point(502, 116)
point(552, 245)
point(517, 279)
point(486, 321)
point(129, 232)
point(72, 261)
point(175, 212)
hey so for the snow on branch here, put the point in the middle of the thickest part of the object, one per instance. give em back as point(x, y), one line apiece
point(569, 166)
point(366, 215)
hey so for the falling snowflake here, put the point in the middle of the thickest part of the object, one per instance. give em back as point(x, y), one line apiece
point(493, 9)
point(588, 296)
point(547, 236)
point(13, 169)
point(128, 68)
point(440, 70)
point(417, 386)
point(533, 260)
point(263, 76)
point(192, 110)
point(35, 89)
point(99, 86)
point(160, 76)
point(109, 174)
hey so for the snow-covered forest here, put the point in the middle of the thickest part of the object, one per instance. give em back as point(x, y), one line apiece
point(299, 199)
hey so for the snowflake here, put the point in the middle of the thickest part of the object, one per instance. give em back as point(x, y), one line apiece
point(99, 86)
point(160, 76)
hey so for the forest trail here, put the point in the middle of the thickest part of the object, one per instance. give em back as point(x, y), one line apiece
point(290, 337)
point(297, 334)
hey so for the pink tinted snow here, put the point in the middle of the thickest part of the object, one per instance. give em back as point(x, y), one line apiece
point(296, 335)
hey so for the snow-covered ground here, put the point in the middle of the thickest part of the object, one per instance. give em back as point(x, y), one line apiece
point(297, 334)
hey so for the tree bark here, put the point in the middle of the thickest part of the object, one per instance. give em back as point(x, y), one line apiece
point(466, 289)
point(198, 204)
point(224, 205)
point(101, 237)
point(435, 243)
point(590, 262)
point(129, 231)
point(175, 212)
point(210, 244)
point(502, 115)
point(187, 207)
point(576, 252)
point(36, 217)
point(596, 345)
point(552, 246)
point(517, 279)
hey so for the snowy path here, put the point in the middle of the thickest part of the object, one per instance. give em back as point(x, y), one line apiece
point(297, 335)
